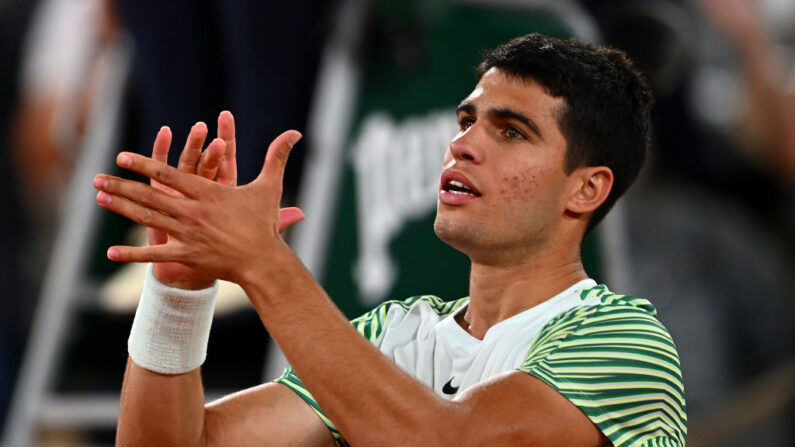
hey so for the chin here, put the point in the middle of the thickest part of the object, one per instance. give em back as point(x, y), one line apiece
point(455, 234)
point(442, 229)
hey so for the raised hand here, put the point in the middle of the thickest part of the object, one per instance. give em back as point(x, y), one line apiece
point(191, 161)
point(217, 230)
point(217, 163)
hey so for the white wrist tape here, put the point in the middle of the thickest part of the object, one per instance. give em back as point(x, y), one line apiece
point(172, 326)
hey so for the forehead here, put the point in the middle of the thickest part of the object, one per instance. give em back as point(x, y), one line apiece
point(497, 89)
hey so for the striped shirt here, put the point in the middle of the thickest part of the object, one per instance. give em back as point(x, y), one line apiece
point(606, 353)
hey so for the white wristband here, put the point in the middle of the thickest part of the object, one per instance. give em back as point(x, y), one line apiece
point(171, 327)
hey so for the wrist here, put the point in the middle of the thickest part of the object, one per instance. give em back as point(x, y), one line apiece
point(171, 328)
point(273, 268)
point(179, 283)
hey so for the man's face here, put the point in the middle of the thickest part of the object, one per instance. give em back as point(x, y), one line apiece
point(502, 189)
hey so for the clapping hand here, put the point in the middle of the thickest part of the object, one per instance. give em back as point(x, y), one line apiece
point(202, 226)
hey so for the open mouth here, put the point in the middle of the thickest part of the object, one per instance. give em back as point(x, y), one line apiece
point(459, 188)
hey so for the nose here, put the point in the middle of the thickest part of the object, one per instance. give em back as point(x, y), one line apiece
point(466, 146)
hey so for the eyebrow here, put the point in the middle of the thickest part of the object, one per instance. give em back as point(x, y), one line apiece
point(501, 113)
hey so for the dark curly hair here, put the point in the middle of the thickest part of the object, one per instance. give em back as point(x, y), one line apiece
point(607, 103)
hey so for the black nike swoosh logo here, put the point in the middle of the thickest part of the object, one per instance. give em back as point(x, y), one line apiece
point(448, 388)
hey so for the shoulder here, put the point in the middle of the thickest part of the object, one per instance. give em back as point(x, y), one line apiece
point(614, 359)
point(372, 323)
point(607, 325)
point(602, 312)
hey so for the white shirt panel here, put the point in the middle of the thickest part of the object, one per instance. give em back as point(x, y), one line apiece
point(436, 350)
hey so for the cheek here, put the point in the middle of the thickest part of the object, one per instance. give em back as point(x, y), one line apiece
point(518, 186)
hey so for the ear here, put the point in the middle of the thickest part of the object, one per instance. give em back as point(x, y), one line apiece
point(590, 186)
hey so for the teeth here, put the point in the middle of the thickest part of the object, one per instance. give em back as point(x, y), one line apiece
point(459, 184)
point(458, 188)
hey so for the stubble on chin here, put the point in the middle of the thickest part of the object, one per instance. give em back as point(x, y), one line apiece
point(459, 235)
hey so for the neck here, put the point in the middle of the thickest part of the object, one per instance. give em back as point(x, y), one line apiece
point(501, 290)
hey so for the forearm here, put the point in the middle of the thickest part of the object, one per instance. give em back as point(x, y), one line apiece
point(370, 399)
point(159, 409)
point(162, 398)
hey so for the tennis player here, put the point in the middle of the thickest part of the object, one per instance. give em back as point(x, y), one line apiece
point(554, 132)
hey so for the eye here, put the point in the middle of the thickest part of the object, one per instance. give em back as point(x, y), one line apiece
point(513, 133)
point(465, 122)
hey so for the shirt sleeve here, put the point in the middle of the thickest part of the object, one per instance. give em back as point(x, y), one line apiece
point(370, 326)
point(619, 365)
point(291, 380)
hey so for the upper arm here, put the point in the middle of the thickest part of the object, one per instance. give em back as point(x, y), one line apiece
point(270, 414)
point(517, 409)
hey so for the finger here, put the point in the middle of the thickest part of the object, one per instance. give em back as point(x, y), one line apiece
point(140, 193)
point(162, 144)
point(192, 151)
point(155, 253)
point(276, 159)
point(210, 159)
point(289, 216)
point(188, 184)
point(160, 149)
point(227, 170)
point(137, 213)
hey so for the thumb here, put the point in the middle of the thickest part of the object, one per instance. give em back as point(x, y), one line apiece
point(289, 216)
point(276, 158)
